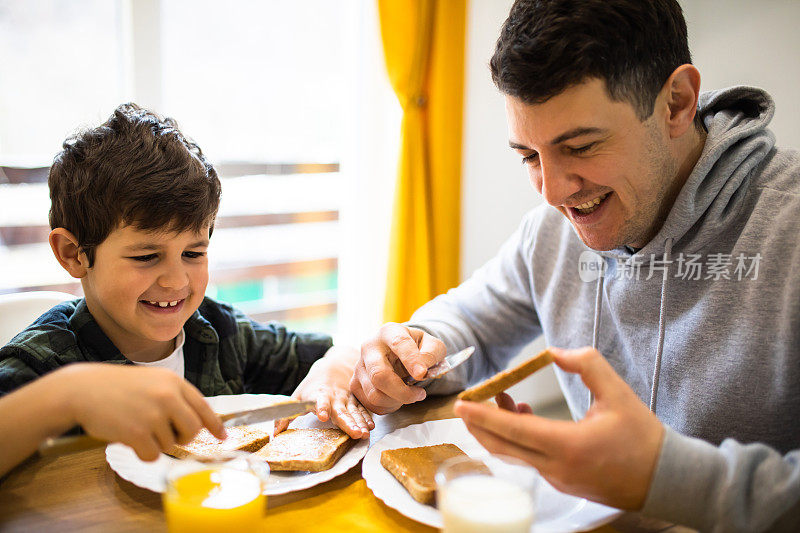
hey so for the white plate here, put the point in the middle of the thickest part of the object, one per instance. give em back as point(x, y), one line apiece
point(556, 511)
point(123, 460)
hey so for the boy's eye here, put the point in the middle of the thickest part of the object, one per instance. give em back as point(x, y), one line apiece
point(193, 255)
point(143, 258)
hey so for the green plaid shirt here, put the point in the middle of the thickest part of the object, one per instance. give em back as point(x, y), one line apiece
point(224, 352)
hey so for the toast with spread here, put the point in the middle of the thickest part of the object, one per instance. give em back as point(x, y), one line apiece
point(206, 446)
point(415, 468)
point(312, 450)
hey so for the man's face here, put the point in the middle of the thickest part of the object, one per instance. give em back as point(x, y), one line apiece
point(609, 173)
point(143, 287)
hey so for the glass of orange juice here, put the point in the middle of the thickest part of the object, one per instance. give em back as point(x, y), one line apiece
point(220, 495)
point(490, 494)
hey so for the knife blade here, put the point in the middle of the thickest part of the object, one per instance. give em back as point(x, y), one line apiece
point(441, 368)
point(264, 414)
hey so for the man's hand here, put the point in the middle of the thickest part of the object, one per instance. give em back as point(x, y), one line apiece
point(608, 457)
point(328, 384)
point(149, 409)
point(395, 352)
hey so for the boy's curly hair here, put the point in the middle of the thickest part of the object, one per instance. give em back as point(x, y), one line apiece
point(135, 169)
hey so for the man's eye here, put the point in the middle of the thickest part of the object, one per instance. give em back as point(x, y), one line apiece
point(143, 258)
point(528, 159)
point(193, 255)
point(582, 149)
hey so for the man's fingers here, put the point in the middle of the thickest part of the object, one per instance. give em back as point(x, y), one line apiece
point(383, 378)
point(540, 434)
point(399, 341)
point(596, 373)
point(497, 444)
point(504, 401)
point(431, 351)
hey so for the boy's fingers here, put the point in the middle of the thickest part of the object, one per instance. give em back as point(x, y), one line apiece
point(281, 425)
point(323, 408)
point(208, 417)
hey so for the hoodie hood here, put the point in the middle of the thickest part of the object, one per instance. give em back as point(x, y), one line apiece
point(738, 141)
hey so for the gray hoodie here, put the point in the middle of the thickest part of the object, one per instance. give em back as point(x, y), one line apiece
point(703, 322)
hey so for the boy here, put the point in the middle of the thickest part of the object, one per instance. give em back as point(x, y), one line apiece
point(133, 208)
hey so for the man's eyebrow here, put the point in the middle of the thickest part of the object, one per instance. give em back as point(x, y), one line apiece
point(577, 132)
point(567, 135)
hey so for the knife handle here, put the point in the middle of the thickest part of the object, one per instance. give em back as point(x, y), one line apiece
point(63, 445)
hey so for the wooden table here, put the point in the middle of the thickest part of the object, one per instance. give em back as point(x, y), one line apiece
point(80, 492)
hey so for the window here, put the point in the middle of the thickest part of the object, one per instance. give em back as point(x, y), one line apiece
point(271, 92)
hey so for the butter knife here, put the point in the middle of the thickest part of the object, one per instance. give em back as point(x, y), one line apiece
point(441, 368)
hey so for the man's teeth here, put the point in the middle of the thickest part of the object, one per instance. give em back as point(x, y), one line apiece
point(591, 204)
point(164, 304)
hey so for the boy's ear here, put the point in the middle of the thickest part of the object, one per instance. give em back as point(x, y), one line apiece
point(682, 91)
point(68, 252)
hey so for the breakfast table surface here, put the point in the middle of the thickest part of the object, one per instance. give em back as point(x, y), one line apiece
point(80, 492)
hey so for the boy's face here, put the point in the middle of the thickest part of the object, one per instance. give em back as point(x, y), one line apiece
point(143, 287)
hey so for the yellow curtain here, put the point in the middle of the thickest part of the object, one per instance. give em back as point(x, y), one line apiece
point(424, 47)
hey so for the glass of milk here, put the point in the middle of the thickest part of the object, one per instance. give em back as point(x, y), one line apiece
point(491, 494)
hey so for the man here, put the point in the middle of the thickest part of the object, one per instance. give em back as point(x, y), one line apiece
point(669, 245)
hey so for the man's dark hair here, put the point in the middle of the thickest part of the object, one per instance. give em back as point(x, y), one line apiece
point(136, 169)
point(547, 46)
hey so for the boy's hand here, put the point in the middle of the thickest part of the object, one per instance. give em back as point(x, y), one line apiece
point(328, 384)
point(609, 456)
point(149, 409)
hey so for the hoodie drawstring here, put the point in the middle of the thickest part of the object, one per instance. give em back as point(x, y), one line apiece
point(661, 326)
point(661, 322)
point(598, 299)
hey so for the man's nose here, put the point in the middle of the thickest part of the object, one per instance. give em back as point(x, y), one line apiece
point(557, 182)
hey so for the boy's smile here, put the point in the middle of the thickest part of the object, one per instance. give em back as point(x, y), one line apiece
point(143, 286)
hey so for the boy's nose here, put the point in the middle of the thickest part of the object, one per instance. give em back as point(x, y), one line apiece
point(173, 278)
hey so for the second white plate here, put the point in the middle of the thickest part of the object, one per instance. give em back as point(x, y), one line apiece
point(556, 511)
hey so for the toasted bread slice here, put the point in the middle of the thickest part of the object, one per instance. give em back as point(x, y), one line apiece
point(503, 380)
point(205, 445)
point(416, 467)
point(311, 450)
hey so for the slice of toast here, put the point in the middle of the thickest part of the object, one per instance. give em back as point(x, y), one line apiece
point(416, 467)
point(503, 380)
point(205, 445)
point(312, 450)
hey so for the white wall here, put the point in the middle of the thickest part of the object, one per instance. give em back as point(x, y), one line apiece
point(732, 42)
point(743, 42)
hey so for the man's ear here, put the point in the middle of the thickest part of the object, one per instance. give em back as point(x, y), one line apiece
point(681, 92)
point(68, 252)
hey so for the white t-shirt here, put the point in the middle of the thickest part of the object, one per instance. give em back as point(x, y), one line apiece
point(173, 361)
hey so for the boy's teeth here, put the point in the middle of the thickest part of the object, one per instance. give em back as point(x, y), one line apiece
point(163, 304)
